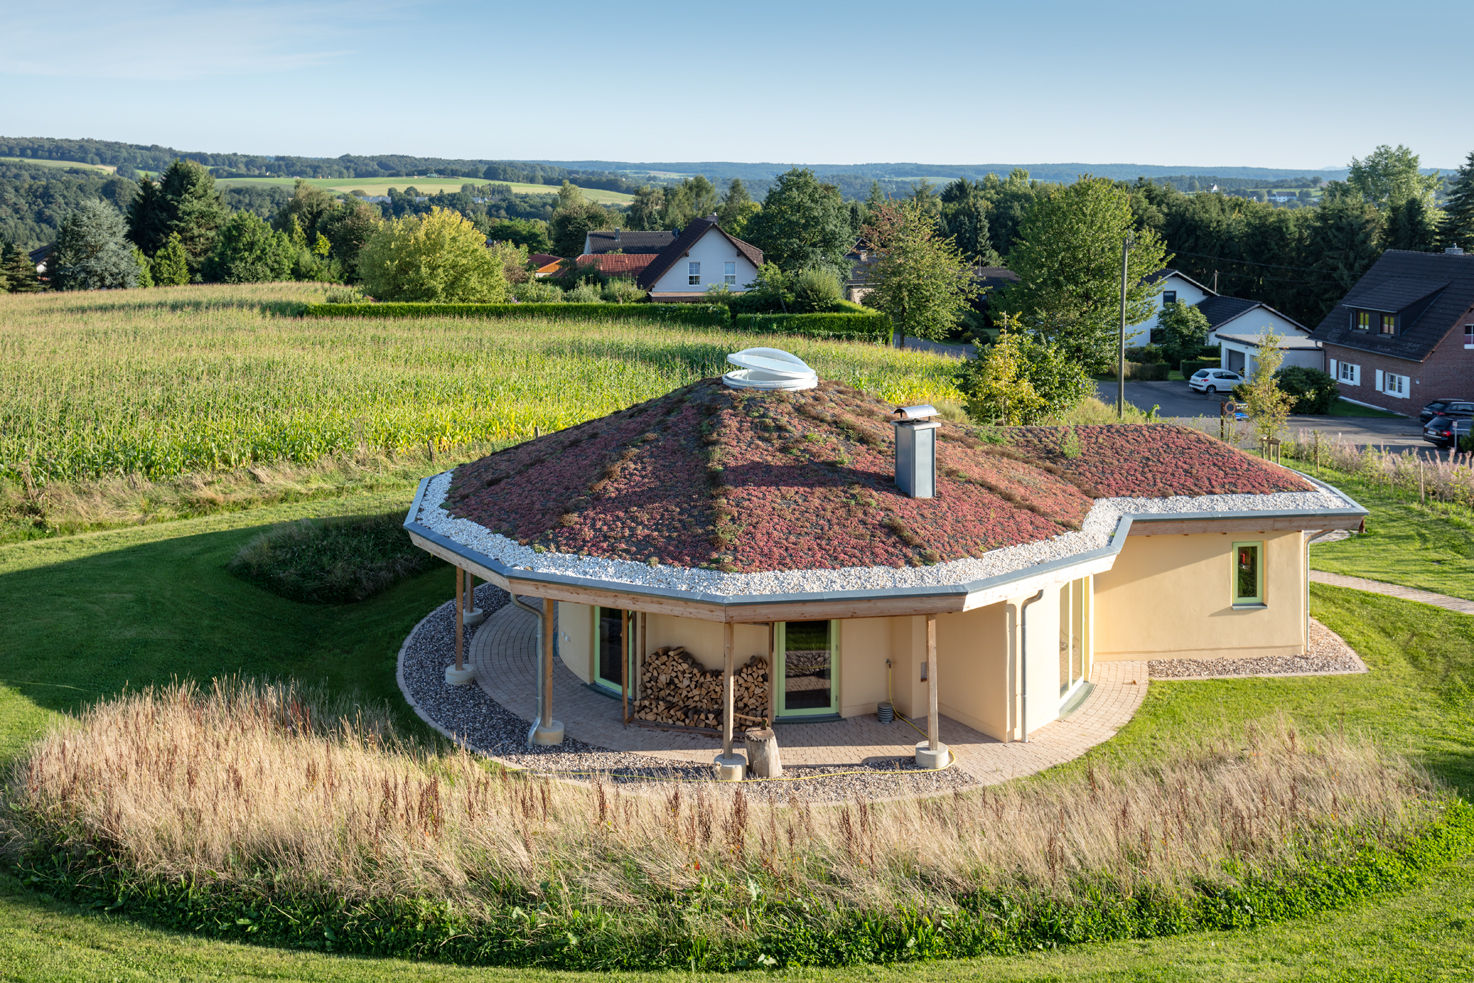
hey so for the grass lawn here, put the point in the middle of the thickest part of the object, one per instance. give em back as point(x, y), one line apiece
point(1430, 546)
point(1342, 407)
point(425, 185)
point(91, 614)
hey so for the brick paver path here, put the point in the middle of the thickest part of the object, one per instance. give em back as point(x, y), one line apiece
point(504, 656)
point(1394, 590)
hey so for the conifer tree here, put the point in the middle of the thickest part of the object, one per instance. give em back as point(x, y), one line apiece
point(1458, 221)
point(91, 252)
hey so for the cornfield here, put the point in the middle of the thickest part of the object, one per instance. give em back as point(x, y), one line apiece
point(160, 383)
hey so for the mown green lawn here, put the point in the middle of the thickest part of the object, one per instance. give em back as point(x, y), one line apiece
point(89, 615)
point(1342, 407)
point(1427, 545)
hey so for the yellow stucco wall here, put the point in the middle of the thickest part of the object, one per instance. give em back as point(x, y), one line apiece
point(576, 639)
point(972, 669)
point(1042, 670)
point(1171, 596)
point(864, 645)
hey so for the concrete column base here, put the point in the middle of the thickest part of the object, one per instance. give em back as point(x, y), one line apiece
point(934, 760)
point(458, 677)
point(474, 617)
point(547, 734)
point(731, 767)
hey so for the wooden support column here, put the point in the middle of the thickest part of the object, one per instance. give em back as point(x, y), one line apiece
point(549, 606)
point(460, 621)
point(933, 729)
point(625, 633)
point(728, 695)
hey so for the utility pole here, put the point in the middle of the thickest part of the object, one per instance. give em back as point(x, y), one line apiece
point(1126, 245)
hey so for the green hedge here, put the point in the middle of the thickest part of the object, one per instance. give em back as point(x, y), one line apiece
point(565, 933)
point(1191, 365)
point(1148, 371)
point(870, 326)
point(701, 315)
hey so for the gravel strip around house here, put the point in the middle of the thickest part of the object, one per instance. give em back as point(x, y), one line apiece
point(1327, 655)
point(470, 717)
point(1095, 533)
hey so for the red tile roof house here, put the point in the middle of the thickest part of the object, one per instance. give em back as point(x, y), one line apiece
point(1403, 336)
point(847, 554)
point(679, 266)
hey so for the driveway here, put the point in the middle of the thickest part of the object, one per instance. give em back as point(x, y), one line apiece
point(1174, 400)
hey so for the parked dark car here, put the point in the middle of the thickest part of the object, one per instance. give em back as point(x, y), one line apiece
point(1446, 431)
point(1438, 406)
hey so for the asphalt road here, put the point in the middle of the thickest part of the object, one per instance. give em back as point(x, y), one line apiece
point(1176, 401)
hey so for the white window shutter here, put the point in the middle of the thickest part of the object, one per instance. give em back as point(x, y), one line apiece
point(1333, 368)
point(1379, 380)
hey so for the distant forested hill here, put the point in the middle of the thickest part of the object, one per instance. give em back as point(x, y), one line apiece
point(854, 180)
point(137, 157)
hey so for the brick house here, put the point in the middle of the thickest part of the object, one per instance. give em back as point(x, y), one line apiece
point(1404, 335)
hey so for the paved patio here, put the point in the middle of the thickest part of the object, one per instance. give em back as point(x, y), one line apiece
point(503, 654)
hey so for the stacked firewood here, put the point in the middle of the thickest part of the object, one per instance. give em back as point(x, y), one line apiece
point(676, 689)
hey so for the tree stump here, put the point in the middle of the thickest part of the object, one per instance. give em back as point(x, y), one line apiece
point(762, 753)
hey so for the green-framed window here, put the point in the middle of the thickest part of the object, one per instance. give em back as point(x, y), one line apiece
point(808, 668)
point(1248, 573)
point(614, 633)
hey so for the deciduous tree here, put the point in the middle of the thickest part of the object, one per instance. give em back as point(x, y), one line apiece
point(1388, 176)
point(1020, 379)
point(1068, 258)
point(1184, 331)
point(92, 251)
point(1268, 404)
point(440, 257)
point(804, 224)
point(247, 250)
point(920, 278)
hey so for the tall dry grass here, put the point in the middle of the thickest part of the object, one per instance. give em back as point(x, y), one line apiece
point(1447, 476)
point(249, 783)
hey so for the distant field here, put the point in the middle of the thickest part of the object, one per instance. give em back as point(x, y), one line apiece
point(426, 185)
point(105, 168)
point(159, 383)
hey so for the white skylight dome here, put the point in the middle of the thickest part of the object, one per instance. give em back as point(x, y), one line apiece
point(769, 369)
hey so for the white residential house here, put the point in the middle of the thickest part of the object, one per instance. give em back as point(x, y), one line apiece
point(701, 257)
point(1176, 288)
point(1240, 351)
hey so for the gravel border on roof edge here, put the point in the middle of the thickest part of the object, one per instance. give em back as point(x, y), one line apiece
point(1095, 532)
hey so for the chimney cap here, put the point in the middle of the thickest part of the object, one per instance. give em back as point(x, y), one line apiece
point(1455, 250)
point(920, 411)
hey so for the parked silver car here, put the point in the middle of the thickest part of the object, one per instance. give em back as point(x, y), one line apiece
point(1212, 381)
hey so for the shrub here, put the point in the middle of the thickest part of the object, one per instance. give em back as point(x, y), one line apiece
point(587, 292)
point(1148, 371)
point(1312, 390)
point(1184, 331)
point(1466, 444)
point(440, 257)
point(1146, 353)
point(1020, 379)
point(871, 326)
point(815, 292)
point(701, 315)
point(621, 290)
point(536, 292)
point(331, 561)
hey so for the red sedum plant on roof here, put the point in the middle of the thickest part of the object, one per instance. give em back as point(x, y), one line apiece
point(749, 481)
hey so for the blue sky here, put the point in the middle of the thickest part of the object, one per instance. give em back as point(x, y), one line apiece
point(1270, 84)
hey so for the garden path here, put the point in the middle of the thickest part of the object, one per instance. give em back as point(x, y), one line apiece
point(1394, 590)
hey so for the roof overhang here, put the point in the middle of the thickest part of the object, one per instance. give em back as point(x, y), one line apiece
point(875, 603)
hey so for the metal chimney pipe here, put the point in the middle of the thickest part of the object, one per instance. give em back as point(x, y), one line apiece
point(916, 450)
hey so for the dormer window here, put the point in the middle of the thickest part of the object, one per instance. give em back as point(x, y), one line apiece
point(1362, 321)
point(1389, 324)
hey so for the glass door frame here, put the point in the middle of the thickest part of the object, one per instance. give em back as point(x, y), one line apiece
point(780, 650)
point(627, 627)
